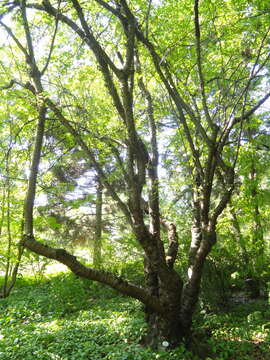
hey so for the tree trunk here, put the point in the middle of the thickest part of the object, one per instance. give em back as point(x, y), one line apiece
point(239, 238)
point(9, 241)
point(98, 226)
point(9, 286)
point(203, 238)
point(164, 330)
point(257, 237)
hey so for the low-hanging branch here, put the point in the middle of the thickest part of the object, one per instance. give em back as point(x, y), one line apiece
point(81, 270)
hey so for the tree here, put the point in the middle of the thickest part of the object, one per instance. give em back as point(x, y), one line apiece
point(98, 226)
point(248, 211)
point(210, 82)
point(11, 204)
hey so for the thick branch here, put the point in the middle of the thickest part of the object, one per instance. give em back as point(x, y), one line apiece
point(31, 189)
point(153, 164)
point(173, 242)
point(100, 54)
point(130, 48)
point(225, 198)
point(114, 11)
point(81, 270)
point(38, 89)
point(27, 33)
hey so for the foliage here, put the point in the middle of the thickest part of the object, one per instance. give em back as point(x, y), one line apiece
point(45, 320)
point(64, 317)
point(240, 333)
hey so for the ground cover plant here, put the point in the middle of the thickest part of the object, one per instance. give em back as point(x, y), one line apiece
point(42, 319)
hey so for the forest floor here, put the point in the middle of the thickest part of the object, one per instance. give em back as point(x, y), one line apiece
point(61, 317)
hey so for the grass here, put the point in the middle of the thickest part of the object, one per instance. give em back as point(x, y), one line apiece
point(66, 318)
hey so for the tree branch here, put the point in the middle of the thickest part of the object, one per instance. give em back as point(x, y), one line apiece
point(27, 33)
point(199, 62)
point(225, 198)
point(250, 112)
point(18, 43)
point(173, 242)
point(31, 188)
point(8, 86)
point(147, 18)
point(53, 40)
point(9, 9)
point(114, 11)
point(90, 156)
point(81, 270)
point(100, 54)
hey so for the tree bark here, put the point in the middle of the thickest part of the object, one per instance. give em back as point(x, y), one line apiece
point(202, 242)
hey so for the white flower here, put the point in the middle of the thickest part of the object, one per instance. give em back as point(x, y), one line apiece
point(165, 343)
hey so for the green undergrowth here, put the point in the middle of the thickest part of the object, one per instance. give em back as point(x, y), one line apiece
point(243, 333)
point(63, 317)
